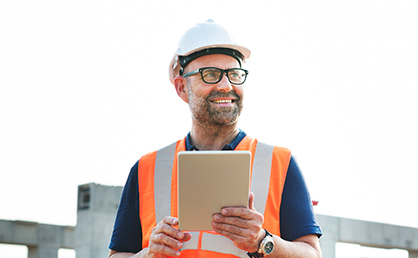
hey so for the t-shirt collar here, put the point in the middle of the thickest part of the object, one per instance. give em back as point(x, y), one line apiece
point(230, 146)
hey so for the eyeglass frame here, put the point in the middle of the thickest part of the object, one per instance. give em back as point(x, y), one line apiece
point(226, 71)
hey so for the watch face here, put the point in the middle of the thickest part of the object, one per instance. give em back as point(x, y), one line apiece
point(268, 248)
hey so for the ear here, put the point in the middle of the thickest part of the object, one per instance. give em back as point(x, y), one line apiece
point(180, 84)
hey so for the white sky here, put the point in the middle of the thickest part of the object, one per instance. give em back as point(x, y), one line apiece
point(84, 92)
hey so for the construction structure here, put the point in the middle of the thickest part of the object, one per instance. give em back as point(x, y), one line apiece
point(96, 211)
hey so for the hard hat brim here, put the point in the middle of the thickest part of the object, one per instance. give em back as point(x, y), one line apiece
point(185, 60)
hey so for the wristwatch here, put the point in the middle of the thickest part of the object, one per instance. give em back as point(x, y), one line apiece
point(266, 246)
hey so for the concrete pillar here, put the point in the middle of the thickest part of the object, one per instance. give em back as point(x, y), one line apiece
point(43, 251)
point(96, 211)
point(331, 231)
point(49, 239)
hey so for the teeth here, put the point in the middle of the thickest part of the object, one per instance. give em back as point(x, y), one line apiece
point(223, 101)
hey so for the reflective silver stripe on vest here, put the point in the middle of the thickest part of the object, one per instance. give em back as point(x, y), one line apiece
point(162, 181)
point(193, 242)
point(221, 244)
point(261, 175)
point(213, 242)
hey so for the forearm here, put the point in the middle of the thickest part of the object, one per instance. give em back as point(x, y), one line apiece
point(123, 255)
point(303, 247)
point(141, 254)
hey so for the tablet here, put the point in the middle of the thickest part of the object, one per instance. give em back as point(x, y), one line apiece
point(209, 181)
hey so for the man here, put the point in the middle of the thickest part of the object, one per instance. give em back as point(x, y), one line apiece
point(207, 74)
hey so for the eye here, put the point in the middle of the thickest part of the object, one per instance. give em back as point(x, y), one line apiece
point(211, 74)
point(236, 74)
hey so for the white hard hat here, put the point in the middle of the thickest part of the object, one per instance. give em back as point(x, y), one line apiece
point(203, 39)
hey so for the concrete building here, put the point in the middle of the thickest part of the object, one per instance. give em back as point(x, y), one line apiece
point(97, 206)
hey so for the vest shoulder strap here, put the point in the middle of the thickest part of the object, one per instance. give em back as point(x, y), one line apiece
point(156, 175)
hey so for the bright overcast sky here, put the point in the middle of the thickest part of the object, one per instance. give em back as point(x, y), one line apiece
point(85, 92)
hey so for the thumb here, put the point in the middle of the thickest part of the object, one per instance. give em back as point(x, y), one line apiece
point(187, 236)
point(251, 201)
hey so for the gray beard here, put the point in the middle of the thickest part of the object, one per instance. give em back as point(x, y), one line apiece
point(205, 113)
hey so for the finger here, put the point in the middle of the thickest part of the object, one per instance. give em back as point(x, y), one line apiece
point(170, 220)
point(158, 249)
point(164, 239)
point(251, 201)
point(230, 228)
point(230, 235)
point(237, 212)
point(166, 226)
point(186, 237)
point(164, 244)
point(235, 221)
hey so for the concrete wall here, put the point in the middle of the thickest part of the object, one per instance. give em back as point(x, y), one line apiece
point(97, 206)
point(366, 233)
point(42, 240)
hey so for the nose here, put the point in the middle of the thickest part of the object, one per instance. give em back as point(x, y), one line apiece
point(224, 85)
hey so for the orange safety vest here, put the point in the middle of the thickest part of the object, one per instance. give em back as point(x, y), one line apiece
point(157, 183)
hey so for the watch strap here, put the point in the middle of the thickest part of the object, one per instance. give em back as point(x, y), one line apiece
point(255, 255)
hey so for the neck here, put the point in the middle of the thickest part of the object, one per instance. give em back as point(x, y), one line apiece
point(213, 137)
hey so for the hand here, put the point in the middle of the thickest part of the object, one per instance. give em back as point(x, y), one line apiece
point(165, 239)
point(241, 225)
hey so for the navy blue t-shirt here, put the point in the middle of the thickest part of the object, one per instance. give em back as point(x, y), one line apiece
point(297, 218)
